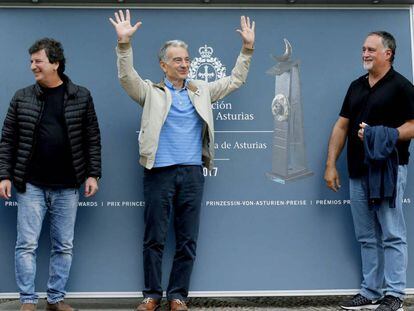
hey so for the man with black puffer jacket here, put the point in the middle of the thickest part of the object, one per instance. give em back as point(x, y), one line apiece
point(50, 145)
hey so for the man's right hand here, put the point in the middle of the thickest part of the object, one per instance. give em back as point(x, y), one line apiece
point(123, 27)
point(332, 178)
point(5, 189)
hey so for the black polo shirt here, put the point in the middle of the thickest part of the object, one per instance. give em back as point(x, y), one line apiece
point(390, 102)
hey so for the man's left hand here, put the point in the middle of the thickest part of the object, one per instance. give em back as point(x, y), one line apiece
point(362, 126)
point(91, 186)
point(247, 32)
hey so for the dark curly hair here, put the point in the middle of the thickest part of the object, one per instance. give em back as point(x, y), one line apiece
point(53, 50)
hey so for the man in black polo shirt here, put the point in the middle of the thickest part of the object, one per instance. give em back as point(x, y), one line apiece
point(382, 97)
point(50, 145)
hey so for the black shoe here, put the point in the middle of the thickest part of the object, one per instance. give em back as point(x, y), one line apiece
point(390, 303)
point(359, 302)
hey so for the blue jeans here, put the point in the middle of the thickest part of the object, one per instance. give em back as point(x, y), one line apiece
point(32, 207)
point(383, 237)
point(177, 188)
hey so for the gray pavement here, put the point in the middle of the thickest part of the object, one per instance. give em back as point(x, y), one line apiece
point(259, 303)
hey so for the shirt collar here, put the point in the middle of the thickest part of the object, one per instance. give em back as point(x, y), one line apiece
point(171, 86)
point(389, 74)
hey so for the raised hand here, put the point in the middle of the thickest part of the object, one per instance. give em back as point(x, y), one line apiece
point(247, 31)
point(123, 27)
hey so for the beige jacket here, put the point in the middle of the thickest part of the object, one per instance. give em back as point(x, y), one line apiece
point(155, 98)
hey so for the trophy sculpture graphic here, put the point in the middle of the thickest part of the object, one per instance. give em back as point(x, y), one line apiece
point(288, 145)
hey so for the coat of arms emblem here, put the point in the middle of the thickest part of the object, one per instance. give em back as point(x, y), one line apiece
point(206, 67)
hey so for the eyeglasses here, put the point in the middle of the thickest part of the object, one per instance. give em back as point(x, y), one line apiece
point(180, 60)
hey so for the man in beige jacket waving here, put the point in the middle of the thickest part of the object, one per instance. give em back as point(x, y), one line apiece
point(176, 140)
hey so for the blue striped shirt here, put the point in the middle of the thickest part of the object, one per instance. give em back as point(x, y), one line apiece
point(180, 138)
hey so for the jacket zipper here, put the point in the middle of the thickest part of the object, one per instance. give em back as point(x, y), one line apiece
point(65, 102)
point(29, 160)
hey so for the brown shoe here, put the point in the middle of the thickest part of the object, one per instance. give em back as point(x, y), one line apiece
point(178, 305)
point(59, 306)
point(28, 307)
point(148, 304)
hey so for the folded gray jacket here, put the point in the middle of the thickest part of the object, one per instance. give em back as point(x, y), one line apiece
point(381, 157)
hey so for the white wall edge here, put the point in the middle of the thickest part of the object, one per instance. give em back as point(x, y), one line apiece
point(263, 293)
point(412, 38)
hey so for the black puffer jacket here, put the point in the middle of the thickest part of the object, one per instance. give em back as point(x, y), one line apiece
point(20, 131)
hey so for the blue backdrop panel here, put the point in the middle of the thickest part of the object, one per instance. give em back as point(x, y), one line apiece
point(255, 234)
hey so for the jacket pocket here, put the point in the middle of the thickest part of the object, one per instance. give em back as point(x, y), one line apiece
point(145, 143)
